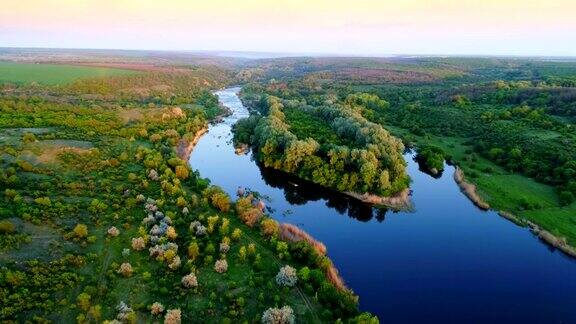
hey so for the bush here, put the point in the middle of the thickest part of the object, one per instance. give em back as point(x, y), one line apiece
point(156, 308)
point(284, 315)
point(173, 316)
point(138, 243)
point(190, 281)
point(80, 231)
point(221, 266)
point(125, 269)
point(113, 231)
point(6, 227)
point(269, 227)
point(287, 276)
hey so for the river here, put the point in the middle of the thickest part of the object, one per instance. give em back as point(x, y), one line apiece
point(447, 261)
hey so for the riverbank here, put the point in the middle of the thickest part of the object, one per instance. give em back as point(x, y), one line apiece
point(542, 234)
point(469, 189)
point(399, 201)
point(288, 232)
point(184, 147)
point(503, 191)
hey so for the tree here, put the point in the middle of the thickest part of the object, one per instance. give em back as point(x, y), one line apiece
point(193, 251)
point(83, 301)
point(80, 231)
point(284, 315)
point(173, 316)
point(125, 269)
point(287, 276)
point(221, 266)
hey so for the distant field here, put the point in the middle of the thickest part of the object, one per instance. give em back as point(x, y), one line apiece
point(52, 73)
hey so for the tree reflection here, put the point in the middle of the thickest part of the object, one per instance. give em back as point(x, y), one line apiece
point(300, 192)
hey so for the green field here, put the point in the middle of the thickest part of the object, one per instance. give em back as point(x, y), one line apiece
point(51, 73)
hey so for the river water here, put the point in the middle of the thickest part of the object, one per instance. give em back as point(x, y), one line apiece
point(447, 261)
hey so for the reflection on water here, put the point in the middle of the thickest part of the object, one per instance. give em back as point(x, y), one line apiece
point(447, 261)
point(300, 192)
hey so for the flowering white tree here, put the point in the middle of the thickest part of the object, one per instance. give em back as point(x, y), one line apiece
point(175, 264)
point(138, 243)
point(125, 269)
point(153, 175)
point(284, 315)
point(287, 276)
point(156, 308)
point(113, 231)
point(173, 316)
point(224, 248)
point(221, 266)
point(190, 281)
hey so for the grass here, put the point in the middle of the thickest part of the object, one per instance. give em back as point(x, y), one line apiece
point(52, 74)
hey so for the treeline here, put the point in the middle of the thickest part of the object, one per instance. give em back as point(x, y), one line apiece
point(374, 163)
point(152, 88)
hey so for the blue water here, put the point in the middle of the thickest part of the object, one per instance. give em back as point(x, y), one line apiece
point(445, 262)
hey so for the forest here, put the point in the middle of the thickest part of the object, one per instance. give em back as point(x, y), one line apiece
point(331, 146)
point(500, 120)
point(102, 220)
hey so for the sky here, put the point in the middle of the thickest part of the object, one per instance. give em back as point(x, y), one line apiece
point(351, 27)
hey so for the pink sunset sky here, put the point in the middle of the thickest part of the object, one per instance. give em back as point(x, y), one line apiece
point(359, 27)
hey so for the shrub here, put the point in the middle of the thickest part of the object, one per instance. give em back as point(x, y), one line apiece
point(284, 315)
point(173, 316)
point(182, 172)
point(304, 274)
point(44, 201)
point(189, 281)
point(287, 276)
point(156, 308)
point(221, 266)
point(83, 301)
point(171, 233)
point(193, 251)
point(153, 175)
point(224, 248)
point(138, 243)
point(80, 231)
point(28, 137)
point(6, 227)
point(125, 269)
point(269, 227)
point(175, 264)
point(236, 234)
point(113, 231)
point(125, 313)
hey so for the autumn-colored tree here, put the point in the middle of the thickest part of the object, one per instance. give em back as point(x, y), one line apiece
point(80, 231)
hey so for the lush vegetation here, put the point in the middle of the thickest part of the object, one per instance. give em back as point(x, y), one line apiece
point(52, 73)
point(508, 123)
point(331, 145)
point(102, 221)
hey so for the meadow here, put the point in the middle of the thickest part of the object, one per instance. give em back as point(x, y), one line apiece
point(53, 74)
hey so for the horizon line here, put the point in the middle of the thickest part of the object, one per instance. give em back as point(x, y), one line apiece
point(280, 54)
